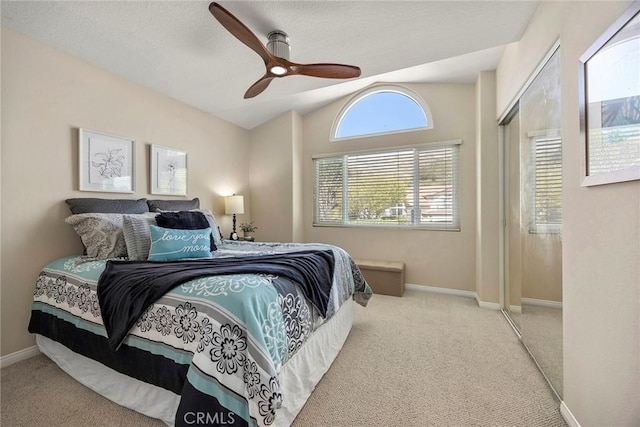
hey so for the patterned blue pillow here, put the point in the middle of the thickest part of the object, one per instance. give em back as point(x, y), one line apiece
point(169, 244)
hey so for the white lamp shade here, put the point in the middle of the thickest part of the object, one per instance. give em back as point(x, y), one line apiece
point(234, 205)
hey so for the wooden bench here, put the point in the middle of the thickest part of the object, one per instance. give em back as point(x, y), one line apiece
point(384, 277)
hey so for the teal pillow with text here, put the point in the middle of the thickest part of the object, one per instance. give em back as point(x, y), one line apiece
point(169, 244)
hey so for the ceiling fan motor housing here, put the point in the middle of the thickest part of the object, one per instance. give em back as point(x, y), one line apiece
point(278, 44)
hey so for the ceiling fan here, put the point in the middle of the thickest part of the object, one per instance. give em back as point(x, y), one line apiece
point(276, 54)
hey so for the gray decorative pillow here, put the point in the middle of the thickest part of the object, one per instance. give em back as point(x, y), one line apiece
point(101, 234)
point(215, 231)
point(94, 205)
point(137, 235)
point(173, 205)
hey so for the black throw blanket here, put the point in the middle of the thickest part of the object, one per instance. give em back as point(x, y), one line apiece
point(127, 288)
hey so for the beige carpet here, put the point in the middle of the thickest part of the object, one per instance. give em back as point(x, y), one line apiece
point(421, 360)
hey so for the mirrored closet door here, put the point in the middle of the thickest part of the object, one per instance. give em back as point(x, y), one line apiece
point(533, 213)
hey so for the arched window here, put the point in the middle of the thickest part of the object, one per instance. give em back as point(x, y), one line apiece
point(380, 110)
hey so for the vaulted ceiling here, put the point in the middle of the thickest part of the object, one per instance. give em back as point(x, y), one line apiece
point(178, 49)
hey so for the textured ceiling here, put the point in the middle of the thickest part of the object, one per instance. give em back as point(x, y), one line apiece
point(178, 49)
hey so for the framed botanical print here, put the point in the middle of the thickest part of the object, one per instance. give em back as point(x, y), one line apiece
point(106, 162)
point(610, 103)
point(168, 171)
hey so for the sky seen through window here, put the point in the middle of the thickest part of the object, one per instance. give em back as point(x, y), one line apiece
point(381, 112)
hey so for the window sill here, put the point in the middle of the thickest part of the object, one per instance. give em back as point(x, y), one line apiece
point(389, 227)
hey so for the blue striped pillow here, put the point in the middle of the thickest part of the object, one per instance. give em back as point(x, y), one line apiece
point(169, 244)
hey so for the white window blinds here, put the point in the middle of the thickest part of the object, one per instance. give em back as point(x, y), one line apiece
point(328, 190)
point(548, 185)
point(437, 200)
point(408, 187)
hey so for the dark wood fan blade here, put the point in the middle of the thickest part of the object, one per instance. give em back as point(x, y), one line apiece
point(239, 30)
point(258, 87)
point(327, 71)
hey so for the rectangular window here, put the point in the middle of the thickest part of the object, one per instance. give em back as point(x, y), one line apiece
point(547, 203)
point(407, 187)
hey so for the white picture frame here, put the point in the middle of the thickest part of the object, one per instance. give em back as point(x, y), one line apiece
point(106, 162)
point(169, 171)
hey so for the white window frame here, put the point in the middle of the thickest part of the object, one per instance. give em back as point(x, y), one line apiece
point(377, 89)
point(454, 225)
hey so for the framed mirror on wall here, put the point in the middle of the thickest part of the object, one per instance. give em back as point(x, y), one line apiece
point(610, 103)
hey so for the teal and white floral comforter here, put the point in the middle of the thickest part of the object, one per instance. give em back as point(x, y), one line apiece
point(219, 341)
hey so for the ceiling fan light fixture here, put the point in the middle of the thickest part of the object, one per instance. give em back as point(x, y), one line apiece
point(278, 70)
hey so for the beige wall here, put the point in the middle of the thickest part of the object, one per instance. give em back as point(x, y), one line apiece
point(601, 232)
point(275, 178)
point(524, 56)
point(433, 258)
point(1, 138)
point(297, 175)
point(487, 191)
point(46, 96)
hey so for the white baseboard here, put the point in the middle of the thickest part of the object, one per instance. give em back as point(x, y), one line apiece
point(437, 290)
point(19, 356)
point(487, 305)
point(568, 416)
point(542, 302)
point(515, 309)
point(456, 292)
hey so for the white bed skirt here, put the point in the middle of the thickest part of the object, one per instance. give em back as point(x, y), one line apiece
point(298, 377)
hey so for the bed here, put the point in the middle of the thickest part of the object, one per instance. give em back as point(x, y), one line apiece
point(245, 347)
